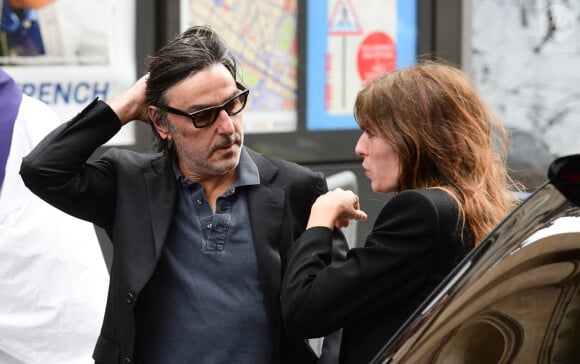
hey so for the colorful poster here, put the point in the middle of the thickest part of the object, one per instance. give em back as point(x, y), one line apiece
point(358, 41)
point(263, 36)
point(68, 52)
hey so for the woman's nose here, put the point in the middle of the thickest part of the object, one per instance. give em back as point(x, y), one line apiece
point(360, 147)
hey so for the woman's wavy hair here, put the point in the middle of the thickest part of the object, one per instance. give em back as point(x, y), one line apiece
point(188, 53)
point(446, 138)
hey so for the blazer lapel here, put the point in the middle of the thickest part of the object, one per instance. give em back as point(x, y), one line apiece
point(266, 205)
point(161, 191)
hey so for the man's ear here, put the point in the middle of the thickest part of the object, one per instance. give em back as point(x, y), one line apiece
point(161, 128)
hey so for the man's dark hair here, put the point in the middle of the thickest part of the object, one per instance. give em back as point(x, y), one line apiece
point(190, 52)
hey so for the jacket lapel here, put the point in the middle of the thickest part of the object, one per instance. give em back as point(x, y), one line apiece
point(161, 190)
point(266, 205)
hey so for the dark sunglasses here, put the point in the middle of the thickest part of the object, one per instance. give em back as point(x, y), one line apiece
point(206, 117)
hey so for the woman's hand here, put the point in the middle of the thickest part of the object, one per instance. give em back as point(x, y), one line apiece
point(335, 209)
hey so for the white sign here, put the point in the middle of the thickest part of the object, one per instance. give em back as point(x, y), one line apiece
point(74, 52)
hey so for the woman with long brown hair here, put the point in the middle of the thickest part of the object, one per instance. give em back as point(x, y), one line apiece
point(429, 138)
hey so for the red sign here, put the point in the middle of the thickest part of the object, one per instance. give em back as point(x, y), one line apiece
point(377, 55)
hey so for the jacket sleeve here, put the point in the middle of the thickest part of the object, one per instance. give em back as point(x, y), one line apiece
point(57, 169)
point(318, 297)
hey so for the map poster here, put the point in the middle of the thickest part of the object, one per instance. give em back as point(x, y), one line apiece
point(263, 36)
point(358, 41)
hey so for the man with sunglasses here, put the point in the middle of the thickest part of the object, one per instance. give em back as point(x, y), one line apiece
point(200, 229)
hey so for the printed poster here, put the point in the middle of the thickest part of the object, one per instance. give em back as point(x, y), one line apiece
point(68, 52)
point(263, 36)
point(358, 41)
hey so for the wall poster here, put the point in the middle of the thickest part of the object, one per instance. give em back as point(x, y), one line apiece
point(263, 36)
point(525, 60)
point(357, 41)
point(67, 52)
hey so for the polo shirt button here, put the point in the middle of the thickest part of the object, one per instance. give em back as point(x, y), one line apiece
point(199, 201)
point(130, 300)
point(128, 360)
